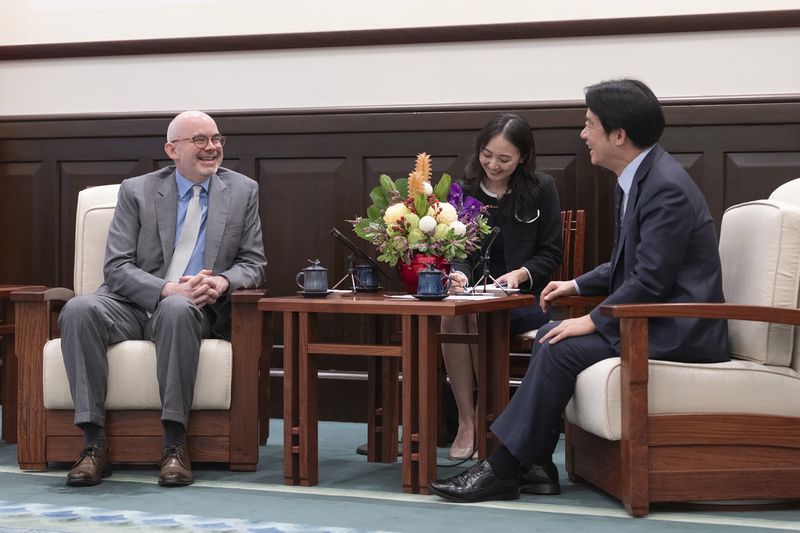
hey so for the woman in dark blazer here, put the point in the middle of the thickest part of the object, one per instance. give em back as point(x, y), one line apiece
point(524, 205)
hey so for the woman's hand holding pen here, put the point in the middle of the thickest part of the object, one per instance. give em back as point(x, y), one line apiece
point(459, 281)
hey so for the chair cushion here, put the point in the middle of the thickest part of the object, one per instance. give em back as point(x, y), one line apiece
point(731, 387)
point(529, 335)
point(760, 251)
point(132, 382)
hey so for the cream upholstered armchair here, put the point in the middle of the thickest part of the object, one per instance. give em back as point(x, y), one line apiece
point(657, 431)
point(224, 421)
point(788, 192)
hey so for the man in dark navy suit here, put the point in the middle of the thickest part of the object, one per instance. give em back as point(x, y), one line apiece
point(665, 250)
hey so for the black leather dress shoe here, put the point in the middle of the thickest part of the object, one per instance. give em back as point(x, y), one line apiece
point(176, 467)
point(90, 468)
point(476, 484)
point(540, 480)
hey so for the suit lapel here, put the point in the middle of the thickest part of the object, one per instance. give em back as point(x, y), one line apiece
point(166, 203)
point(633, 197)
point(219, 201)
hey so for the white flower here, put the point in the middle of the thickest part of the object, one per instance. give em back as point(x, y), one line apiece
point(447, 213)
point(394, 212)
point(428, 188)
point(458, 228)
point(427, 224)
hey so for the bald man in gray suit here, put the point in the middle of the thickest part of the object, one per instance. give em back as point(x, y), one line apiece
point(162, 288)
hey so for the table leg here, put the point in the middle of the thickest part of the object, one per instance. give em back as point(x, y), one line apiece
point(497, 370)
point(409, 360)
point(291, 408)
point(383, 413)
point(9, 389)
point(483, 386)
point(264, 365)
point(428, 400)
point(309, 415)
point(9, 376)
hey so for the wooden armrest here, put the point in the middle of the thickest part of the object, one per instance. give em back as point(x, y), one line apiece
point(245, 296)
point(7, 290)
point(41, 293)
point(634, 340)
point(756, 313)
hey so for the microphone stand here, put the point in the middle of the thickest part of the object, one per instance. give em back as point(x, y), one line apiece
point(487, 275)
point(355, 252)
point(351, 273)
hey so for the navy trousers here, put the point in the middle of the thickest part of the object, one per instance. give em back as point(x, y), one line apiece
point(530, 425)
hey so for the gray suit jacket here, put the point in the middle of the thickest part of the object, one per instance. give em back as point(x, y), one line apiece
point(141, 239)
point(667, 252)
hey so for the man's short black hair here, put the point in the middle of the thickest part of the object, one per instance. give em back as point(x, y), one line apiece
point(630, 105)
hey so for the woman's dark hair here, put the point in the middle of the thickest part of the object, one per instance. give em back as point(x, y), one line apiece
point(630, 105)
point(523, 183)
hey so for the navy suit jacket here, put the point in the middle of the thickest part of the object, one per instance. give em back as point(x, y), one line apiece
point(667, 253)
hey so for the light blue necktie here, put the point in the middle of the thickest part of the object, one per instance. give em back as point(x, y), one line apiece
point(187, 239)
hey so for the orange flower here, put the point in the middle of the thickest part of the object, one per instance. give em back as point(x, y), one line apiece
point(420, 174)
point(424, 166)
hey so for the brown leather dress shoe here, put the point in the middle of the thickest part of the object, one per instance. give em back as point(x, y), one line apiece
point(90, 468)
point(176, 467)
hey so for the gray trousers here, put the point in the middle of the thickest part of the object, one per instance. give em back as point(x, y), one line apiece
point(90, 323)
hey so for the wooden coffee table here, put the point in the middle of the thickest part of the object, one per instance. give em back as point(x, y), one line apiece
point(417, 357)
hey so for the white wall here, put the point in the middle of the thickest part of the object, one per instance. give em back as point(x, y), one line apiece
point(711, 64)
point(674, 65)
point(53, 21)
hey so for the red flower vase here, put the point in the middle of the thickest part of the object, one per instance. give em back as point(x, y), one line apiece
point(408, 271)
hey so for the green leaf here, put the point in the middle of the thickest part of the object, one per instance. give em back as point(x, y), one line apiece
point(442, 188)
point(361, 229)
point(387, 184)
point(374, 211)
point(421, 204)
point(402, 187)
point(378, 198)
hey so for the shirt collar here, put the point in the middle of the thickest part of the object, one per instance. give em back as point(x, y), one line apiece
point(491, 194)
point(625, 179)
point(184, 184)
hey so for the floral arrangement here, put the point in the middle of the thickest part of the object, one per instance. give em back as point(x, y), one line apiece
point(410, 216)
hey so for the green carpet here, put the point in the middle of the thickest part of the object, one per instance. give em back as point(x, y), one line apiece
point(353, 495)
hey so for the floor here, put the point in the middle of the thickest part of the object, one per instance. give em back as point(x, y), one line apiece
point(353, 495)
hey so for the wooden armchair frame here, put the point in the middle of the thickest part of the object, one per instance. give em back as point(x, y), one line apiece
point(573, 235)
point(230, 436)
point(685, 457)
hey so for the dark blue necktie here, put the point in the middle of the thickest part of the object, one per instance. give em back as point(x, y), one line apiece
point(618, 196)
point(615, 253)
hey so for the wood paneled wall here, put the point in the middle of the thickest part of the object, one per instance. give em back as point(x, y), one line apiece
point(316, 169)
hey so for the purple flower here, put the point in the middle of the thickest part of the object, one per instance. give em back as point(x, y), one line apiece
point(456, 196)
point(470, 209)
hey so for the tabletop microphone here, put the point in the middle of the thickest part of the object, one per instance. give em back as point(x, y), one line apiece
point(490, 238)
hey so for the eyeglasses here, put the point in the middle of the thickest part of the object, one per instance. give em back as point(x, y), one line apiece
point(201, 141)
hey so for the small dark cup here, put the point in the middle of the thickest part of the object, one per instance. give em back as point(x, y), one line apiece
point(315, 278)
point(433, 282)
point(367, 277)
